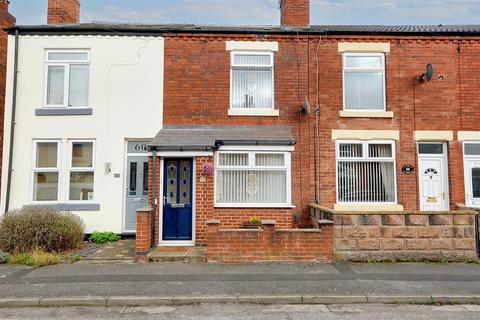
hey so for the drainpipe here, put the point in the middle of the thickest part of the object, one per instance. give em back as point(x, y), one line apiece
point(154, 194)
point(12, 123)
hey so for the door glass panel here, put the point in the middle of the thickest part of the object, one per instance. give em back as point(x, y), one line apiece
point(430, 148)
point(172, 173)
point(185, 181)
point(472, 149)
point(133, 179)
point(145, 178)
point(476, 182)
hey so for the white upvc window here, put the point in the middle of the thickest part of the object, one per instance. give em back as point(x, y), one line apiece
point(364, 82)
point(67, 78)
point(63, 171)
point(46, 171)
point(81, 170)
point(366, 172)
point(252, 179)
point(252, 80)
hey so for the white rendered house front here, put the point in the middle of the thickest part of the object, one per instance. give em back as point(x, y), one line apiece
point(86, 105)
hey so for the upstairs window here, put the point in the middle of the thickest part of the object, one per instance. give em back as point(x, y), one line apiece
point(251, 80)
point(366, 172)
point(364, 82)
point(67, 79)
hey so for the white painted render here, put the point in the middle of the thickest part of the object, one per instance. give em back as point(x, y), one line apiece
point(126, 94)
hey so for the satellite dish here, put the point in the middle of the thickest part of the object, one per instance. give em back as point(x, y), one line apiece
point(306, 106)
point(428, 75)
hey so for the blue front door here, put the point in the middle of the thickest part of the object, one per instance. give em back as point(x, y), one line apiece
point(177, 199)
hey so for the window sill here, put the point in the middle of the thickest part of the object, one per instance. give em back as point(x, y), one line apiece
point(254, 112)
point(68, 206)
point(253, 206)
point(46, 111)
point(366, 114)
point(368, 207)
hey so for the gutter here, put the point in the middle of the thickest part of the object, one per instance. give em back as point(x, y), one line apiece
point(12, 123)
point(154, 195)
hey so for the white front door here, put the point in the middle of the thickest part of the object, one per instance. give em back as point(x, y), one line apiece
point(472, 174)
point(433, 177)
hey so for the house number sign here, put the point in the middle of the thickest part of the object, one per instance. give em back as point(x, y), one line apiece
point(408, 168)
point(138, 147)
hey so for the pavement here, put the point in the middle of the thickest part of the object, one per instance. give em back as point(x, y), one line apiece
point(180, 284)
point(116, 252)
point(245, 311)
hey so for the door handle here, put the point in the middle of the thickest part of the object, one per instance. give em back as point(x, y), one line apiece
point(164, 200)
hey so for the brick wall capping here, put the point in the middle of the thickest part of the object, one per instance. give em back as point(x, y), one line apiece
point(241, 230)
point(146, 209)
point(462, 210)
point(213, 222)
point(269, 222)
point(298, 230)
point(325, 221)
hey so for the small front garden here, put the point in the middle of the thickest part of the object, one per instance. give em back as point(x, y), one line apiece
point(38, 237)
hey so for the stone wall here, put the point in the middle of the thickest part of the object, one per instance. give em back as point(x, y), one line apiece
point(269, 244)
point(409, 236)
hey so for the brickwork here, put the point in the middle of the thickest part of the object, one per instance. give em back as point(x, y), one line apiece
point(295, 13)
point(413, 236)
point(269, 244)
point(63, 11)
point(143, 238)
point(6, 20)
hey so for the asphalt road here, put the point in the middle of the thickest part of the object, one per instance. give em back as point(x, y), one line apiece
point(264, 312)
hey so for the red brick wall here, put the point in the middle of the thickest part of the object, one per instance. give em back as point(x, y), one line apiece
point(143, 238)
point(448, 104)
point(295, 13)
point(63, 11)
point(197, 91)
point(6, 20)
point(269, 244)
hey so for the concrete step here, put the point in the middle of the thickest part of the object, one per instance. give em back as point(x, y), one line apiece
point(178, 254)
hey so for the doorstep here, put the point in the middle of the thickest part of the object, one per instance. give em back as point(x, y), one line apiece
point(178, 254)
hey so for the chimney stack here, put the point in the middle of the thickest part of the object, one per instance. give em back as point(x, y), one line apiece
point(63, 11)
point(4, 5)
point(295, 13)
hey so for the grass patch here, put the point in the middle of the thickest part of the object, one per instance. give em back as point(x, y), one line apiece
point(36, 259)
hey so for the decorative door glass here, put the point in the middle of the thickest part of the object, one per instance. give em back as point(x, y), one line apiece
point(476, 182)
point(184, 181)
point(172, 174)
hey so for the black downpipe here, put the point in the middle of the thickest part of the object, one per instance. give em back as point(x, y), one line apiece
point(12, 124)
point(154, 195)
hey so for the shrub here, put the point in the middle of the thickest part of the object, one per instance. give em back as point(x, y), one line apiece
point(45, 229)
point(4, 257)
point(103, 237)
point(37, 259)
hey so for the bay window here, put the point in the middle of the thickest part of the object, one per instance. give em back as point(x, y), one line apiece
point(251, 80)
point(67, 78)
point(252, 179)
point(364, 82)
point(366, 172)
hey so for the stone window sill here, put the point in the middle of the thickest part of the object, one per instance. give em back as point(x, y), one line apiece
point(63, 111)
point(368, 207)
point(254, 112)
point(69, 206)
point(366, 114)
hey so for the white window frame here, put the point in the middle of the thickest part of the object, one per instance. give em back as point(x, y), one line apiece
point(251, 166)
point(362, 70)
point(64, 154)
point(66, 65)
point(71, 169)
point(232, 66)
point(366, 158)
point(35, 170)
